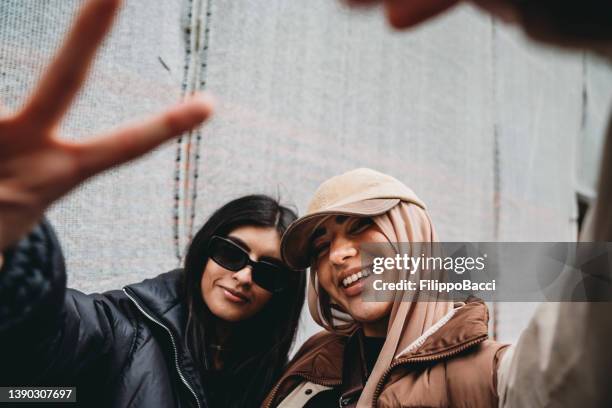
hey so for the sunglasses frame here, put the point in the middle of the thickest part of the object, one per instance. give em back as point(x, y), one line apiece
point(249, 262)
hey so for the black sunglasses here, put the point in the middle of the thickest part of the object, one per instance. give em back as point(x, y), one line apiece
point(270, 274)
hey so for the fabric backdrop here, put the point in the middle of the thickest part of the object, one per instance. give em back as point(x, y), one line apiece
point(496, 134)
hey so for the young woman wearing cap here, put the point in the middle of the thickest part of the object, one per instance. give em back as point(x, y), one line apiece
point(183, 339)
point(402, 352)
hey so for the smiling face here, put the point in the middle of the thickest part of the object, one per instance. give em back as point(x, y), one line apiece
point(233, 296)
point(337, 259)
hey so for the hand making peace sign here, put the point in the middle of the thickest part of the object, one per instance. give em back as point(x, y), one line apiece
point(36, 166)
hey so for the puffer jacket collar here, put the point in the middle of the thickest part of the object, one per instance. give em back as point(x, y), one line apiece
point(160, 300)
point(321, 359)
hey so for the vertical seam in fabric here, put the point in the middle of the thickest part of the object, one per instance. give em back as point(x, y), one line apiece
point(198, 136)
point(179, 143)
point(496, 162)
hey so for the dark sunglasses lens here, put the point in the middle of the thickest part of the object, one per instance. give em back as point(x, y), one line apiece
point(271, 277)
point(228, 255)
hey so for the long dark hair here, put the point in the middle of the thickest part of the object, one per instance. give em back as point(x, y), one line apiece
point(256, 362)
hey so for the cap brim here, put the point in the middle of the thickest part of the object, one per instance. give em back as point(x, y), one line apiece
point(295, 243)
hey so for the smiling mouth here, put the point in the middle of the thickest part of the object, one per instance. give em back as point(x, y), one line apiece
point(354, 278)
point(235, 293)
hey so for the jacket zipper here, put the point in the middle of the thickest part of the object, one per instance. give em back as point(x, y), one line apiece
point(407, 360)
point(396, 363)
point(327, 383)
point(178, 368)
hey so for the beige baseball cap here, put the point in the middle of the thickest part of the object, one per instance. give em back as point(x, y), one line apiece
point(361, 192)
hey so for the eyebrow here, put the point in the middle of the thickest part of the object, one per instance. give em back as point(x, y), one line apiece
point(240, 243)
point(340, 219)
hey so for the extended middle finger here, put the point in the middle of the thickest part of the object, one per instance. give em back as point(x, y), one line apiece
point(61, 81)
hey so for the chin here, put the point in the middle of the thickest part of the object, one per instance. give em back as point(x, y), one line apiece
point(368, 312)
point(228, 315)
point(366, 318)
point(226, 311)
point(231, 318)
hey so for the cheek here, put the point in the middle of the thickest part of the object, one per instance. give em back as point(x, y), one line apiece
point(325, 280)
point(374, 235)
point(212, 272)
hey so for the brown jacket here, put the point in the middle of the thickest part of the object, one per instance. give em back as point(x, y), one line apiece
point(455, 366)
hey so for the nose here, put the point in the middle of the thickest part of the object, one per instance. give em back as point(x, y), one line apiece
point(244, 276)
point(341, 250)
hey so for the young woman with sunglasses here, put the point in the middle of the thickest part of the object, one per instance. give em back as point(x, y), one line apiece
point(214, 334)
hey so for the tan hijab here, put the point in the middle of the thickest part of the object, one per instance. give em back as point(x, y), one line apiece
point(409, 318)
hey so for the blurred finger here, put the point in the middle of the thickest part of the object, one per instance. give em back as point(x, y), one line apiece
point(408, 13)
point(359, 3)
point(62, 80)
point(7, 119)
point(132, 141)
point(502, 9)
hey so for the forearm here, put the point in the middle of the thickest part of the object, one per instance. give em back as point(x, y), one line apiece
point(32, 281)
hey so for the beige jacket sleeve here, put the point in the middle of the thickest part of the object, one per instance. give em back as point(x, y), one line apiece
point(562, 359)
point(564, 356)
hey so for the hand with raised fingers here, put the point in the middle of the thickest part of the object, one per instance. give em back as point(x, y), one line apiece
point(36, 166)
point(565, 23)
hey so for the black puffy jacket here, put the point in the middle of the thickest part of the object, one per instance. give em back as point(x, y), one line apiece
point(122, 348)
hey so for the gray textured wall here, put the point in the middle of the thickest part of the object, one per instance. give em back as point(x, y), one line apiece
point(495, 134)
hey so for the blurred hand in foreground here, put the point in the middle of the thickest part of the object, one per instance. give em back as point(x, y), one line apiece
point(36, 166)
point(568, 23)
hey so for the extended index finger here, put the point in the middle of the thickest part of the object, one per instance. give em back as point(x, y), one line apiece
point(408, 13)
point(105, 151)
point(62, 80)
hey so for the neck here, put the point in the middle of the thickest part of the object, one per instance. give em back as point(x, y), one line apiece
point(222, 332)
point(376, 329)
point(220, 343)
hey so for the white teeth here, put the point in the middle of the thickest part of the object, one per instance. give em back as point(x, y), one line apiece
point(354, 277)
